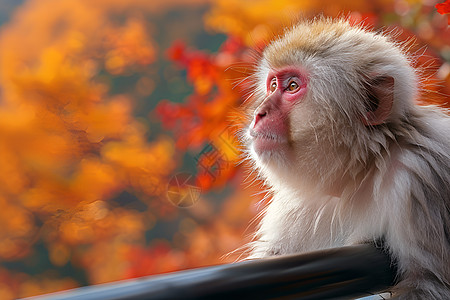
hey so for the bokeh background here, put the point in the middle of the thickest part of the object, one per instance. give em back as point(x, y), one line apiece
point(117, 119)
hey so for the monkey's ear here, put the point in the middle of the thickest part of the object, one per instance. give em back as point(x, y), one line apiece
point(380, 100)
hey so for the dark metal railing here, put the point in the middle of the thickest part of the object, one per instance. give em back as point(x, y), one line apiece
point(339, 273)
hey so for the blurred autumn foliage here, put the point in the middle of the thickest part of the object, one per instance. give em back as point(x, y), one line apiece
point(102, 102)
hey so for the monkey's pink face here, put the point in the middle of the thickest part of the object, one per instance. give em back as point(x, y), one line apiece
point(269, 130)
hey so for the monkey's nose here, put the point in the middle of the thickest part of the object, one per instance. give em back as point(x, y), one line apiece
point(259, 115)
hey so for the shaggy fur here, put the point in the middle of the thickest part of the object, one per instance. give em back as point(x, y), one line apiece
point(343, 182)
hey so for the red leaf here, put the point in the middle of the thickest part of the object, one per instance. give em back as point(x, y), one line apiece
point(177, 52)
point(443, 8)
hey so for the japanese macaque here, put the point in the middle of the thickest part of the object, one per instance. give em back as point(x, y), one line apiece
point(347, 154)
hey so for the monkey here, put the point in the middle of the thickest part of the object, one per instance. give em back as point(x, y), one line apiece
point(348, 156)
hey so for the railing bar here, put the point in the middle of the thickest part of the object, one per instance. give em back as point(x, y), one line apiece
point(336, 272)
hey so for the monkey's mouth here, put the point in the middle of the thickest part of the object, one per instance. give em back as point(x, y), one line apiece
point(266, 141)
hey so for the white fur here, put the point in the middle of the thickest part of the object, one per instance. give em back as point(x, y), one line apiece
point(343, 182)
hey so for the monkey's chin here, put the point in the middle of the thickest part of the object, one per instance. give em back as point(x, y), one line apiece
point(268, 145)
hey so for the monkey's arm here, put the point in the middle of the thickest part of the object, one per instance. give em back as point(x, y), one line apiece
point(419, 235)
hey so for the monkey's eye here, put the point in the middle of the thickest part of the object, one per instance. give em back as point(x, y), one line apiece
point(292, 86)
point(273, 85)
